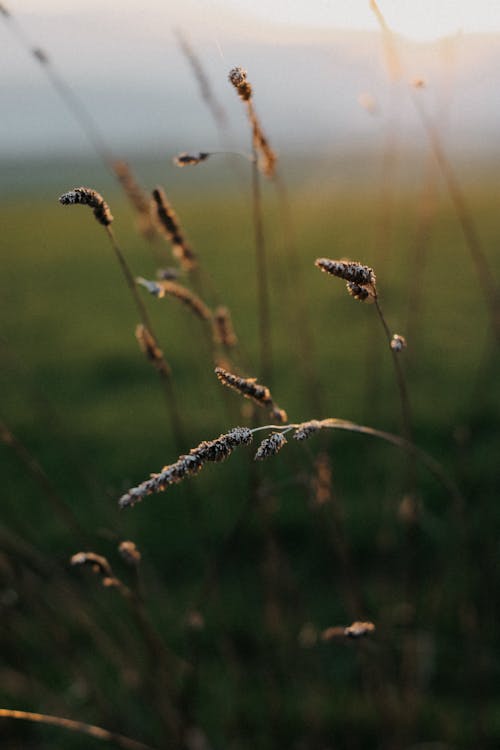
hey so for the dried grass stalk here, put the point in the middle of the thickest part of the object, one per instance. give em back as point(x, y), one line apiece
point(100, 566)
point(249, 388)
point(356, 630)
point(173, 289)
point(266, 156)
point(148, 345)
point(137, 198)
point(224, 333)
point(189, 465)
point(170, 224)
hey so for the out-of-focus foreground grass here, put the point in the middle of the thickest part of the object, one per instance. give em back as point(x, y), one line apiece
point(82, 399)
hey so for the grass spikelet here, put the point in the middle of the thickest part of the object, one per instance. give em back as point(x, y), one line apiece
point(136, 197)
point(162, 289)
point(213, 450)
point(129, 552)
point(270, 446)
point(306, 429)
point(184, 159)
point(249, 388)
point(100, 566)
point(88, 197)
point(169, 222)
point(266, 156)
point(350, 271)
point(223, 328)
point(148, 345)
point(398, 343)
point(354, 631)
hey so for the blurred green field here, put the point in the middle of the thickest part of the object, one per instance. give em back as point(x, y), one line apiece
point(80, 396)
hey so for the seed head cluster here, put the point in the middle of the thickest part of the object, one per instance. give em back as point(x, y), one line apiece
point(223, 328)
point(398, 343)
point(99, 564)
point(306, 429)
point(173, 289)
point(270, 446)
point(238, 78)
point(266, 156)
point(89, 197)
point(350, 271)
point(137, 198)
point(189, 465)
point(169, 222)
point(249, 388)
point(150, 348)
point(185, 159)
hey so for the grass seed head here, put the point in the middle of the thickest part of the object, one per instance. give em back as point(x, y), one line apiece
point(350, 271)
point(185, 159)
point(270, 446)
point(88, 197)
point(306, 429)
point(398, 343)
point(238, 78)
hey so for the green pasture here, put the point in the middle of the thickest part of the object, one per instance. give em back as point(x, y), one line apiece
point(82, 399)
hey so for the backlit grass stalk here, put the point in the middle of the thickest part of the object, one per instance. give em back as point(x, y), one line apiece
point(361, 284)
point(264, 159)
point(75, 726)
point(471, 235)
point(71, 101)
point(161, 660)
point(486, 278)
point(222, 447)
point(91, 198)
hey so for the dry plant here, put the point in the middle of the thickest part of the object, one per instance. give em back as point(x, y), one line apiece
point(93, 199)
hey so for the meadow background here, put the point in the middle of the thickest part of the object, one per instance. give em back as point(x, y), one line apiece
point(239, 652)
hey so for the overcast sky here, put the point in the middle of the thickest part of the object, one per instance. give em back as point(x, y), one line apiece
point(419, 19)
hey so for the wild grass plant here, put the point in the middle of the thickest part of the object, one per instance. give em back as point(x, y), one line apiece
point(318, 590)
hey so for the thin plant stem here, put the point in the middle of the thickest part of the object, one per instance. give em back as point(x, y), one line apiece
point(467, 223)
point(400, 378)
point(164, 369)
point(299, 306)
point(265, 339)
point(76, 726)
point(58, 504)
point(72, 102)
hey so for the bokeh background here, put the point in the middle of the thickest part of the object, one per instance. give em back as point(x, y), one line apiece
point(243, 569)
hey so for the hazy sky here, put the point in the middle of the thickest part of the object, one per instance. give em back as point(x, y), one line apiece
point(420, 19)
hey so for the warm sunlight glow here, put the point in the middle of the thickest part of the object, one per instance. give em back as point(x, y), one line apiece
point(418, 19)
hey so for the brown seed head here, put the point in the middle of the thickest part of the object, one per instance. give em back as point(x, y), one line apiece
point(270, 446)
point(89, 197)
point(130, 553)
point(306, 429)
point(238, 78)
point(360, 293)
point(150, 348)
point(173, 289)
point(185, 159)
point(137, 198)
point(99, 564)
point(223, 328)
point(169, 222)
point(190, 464)
point(398, 343)
point(359, 629)
point(347, 270)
